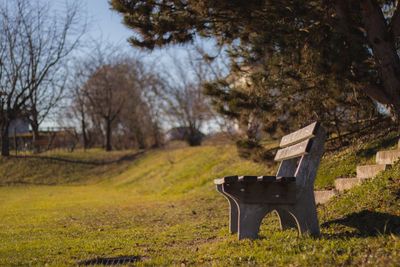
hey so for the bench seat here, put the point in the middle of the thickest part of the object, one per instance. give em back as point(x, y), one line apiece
point(253, 179)
point(259, 189)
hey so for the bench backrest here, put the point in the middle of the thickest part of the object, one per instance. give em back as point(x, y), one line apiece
point(300, 154)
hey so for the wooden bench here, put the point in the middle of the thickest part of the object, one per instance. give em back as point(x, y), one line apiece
point(290, 193)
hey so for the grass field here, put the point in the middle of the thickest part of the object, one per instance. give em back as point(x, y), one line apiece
point(160, 208)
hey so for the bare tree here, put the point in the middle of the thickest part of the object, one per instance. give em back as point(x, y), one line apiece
point(111, 98)
point(74, 111)
point(140, 118)
point(34, 47)
point(13, 90)
point(184, 103)
point(79, 109)
point(153, 83)
point(106, 91)
point(50, 39)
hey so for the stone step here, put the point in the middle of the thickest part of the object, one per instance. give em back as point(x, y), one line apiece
point(388, 156)
point(370, 171)
point(342, 184)
point(323, 196)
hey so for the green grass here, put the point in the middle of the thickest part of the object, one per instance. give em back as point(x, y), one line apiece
point(343, 163)
point(163, 208)
point(64, 167)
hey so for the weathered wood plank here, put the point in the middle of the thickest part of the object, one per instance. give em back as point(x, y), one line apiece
point(267, 178)
point(299, 135)
point(248, 179)
point(285, 179)
point(294, 151)
point(263, 192)
point(226, 179)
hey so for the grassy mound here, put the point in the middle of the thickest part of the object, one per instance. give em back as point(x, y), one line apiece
point(63, 167)
point(162, 209)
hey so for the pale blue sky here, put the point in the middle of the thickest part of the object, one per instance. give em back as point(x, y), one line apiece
point(106, 24)
point(103, 22)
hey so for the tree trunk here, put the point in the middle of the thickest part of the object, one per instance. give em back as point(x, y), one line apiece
point(35, 137)
point(156, 135)
point(384, 51)
point(5, 141)
point(84, 135)
point(337, 127)
point(141, 142)
point(380, 37)
point(193, 137)
point(108, 135)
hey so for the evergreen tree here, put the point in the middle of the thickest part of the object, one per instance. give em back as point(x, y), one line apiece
point(364, 33)
point(303, 60)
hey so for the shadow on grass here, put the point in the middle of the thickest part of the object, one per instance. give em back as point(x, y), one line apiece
point(370, 151)
point(129, 157)
point(368, 223)
point(123, 260)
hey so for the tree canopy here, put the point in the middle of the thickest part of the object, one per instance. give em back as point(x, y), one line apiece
point(365, 33)
point(304, 59)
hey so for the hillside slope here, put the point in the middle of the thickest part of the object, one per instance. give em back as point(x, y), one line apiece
point(64, 167)
point(161, 208)
point(175, 170)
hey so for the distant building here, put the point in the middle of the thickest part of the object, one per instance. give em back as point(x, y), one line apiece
point(19, 126)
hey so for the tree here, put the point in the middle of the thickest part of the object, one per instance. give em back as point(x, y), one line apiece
point(181, 93)
point(351, 42)
point(13, 93)
point(261, 104)
point(111, 99)
point(50, 40)
point(106, 91)
point(33, 48)
point(79, 110)
point(138, 123)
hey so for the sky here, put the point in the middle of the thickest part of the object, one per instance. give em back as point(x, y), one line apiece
point(106, 24)
point(103, 20)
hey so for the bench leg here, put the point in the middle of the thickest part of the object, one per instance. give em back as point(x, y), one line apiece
point(286, 219)
point(233, 211)
point(233, 216)
point(305, 212)
point(250, 217)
